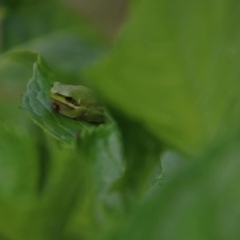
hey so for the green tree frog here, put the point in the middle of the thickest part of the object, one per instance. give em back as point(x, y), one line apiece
point(76, 102)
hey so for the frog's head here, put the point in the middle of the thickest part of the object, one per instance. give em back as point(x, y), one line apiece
point(62, 94)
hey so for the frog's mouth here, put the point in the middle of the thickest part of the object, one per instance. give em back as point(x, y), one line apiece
point(55, 106)
point(60, 100)
point(59, 106)
point(63, 105)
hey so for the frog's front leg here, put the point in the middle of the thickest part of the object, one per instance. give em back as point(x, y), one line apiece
point(75, 112)
point(94, 115)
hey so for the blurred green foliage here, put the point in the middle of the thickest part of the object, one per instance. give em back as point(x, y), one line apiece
point(165, 165)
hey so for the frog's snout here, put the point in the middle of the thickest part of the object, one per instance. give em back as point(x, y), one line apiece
point(55, 106)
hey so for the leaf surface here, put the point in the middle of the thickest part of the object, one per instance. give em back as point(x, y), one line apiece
point(175, 69)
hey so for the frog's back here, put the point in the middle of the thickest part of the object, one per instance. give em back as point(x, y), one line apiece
point(82, 95)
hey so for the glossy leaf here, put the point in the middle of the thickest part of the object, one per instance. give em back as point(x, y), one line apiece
point(37, 103)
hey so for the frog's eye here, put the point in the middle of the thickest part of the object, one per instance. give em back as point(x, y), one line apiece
point(68, 99)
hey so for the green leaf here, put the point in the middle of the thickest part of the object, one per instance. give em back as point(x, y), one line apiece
point(142, 157)
point(200, 202)
point(23, 24)
point(175, 69)
point(16, 179)
point(37, 103)
point(81, 177)
point(101, 151)
point(19, 178)
point(32, 212)
point(104, 148)
point(68, 52)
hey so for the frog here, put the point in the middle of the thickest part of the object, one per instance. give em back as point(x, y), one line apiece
point(76, 102)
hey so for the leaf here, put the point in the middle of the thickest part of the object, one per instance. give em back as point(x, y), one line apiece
point(22, 24)
point(14, 174)
point(64, 189)
point(68, 52)
point(19, 178)
point(142, 158)
point(101, 151)
point(175, 69)
point(99, 147)
point(104, 148)
point(37, 103)
point(200, 202)
point(31, 213)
